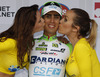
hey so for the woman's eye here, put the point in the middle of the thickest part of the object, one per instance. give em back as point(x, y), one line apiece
point(65, 19)
point(39, 20)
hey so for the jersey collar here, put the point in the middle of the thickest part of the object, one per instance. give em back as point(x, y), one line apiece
point(50, 38)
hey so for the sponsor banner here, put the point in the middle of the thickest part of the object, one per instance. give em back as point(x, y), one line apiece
point(7, 11)
point(96, 9)
point(65, 8)
point(96, 15)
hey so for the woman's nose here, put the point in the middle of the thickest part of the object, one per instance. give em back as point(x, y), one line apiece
point(60, 21)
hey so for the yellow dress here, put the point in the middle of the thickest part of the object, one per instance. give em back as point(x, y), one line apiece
point(83, 61)
point(8, 57)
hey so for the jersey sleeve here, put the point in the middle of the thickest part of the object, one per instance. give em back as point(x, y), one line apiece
point(7, 45)
point(70, 47)
point(83, 59)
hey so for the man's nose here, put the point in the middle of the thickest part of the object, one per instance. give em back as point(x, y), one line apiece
point(52, 19)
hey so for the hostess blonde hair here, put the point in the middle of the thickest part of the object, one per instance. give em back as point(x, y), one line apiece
point(88, 27)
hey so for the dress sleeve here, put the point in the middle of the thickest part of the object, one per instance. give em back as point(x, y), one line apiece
point(83, 59)
point(7, 45)
point(26, 62)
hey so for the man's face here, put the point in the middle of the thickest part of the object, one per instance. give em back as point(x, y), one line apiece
point(51, 20)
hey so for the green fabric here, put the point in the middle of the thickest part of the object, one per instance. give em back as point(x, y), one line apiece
point(70, 47)
point(44, 37)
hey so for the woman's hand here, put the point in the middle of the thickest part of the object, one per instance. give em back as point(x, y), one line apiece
point(63, 39)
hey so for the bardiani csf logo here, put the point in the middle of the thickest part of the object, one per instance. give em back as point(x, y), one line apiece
point(97, 10)
point(64, 9)
point(50, 60)
point(48, 72)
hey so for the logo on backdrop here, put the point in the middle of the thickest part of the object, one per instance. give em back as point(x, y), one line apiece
point(64, 9)
point(5, 11)
point(97, 10)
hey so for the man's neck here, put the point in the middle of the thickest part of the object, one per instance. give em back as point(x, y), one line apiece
point(49, 35)
point(45, 37)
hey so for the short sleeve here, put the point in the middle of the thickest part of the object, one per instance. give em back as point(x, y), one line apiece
point(7, 45)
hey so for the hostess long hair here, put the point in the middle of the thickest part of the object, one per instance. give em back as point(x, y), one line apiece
point(22, 30)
